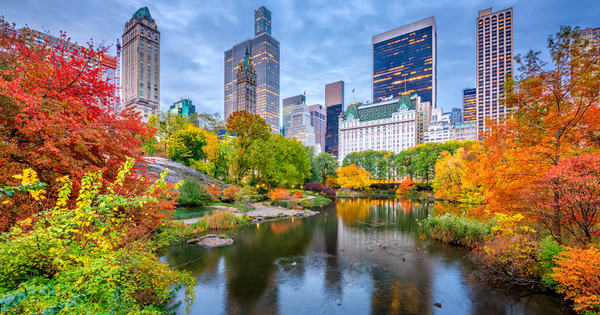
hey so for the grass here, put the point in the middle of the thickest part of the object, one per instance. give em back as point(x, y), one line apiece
point(186, 213)
point(173, 232)
point(455, 229)
point(238, 206)
point(319, 201)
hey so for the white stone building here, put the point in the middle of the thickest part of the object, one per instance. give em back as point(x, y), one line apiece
point(389, 125)
point(300, 126)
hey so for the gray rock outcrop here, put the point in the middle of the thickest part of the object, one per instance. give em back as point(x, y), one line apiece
point(178, 172)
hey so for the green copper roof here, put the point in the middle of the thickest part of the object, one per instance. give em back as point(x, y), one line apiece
point(247, 58)
point(143, 13)
point(380, 110)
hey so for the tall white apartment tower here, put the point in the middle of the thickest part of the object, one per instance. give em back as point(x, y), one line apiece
point(141, 65)
point(494, 63)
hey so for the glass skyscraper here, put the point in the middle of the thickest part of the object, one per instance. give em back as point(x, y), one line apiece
point(262, 21)
point(334, 104)
point(405, 62)
point(264, 53)
point(287, 108)
point(469, 105)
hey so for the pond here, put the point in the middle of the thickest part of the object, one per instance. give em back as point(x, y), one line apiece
point(332, 263)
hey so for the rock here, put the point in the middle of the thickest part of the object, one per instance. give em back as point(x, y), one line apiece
point(178, 172)
point(370, 249)
point(438, 305)
point(211, 240)
point(378, 244)
point(425, 251)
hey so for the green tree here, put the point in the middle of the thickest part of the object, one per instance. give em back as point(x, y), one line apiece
point(324, 165)
point(248, 128)
point(186, 145)
point(280, 161)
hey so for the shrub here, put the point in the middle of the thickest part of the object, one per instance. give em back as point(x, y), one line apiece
point(405, 186)
point(214, 191)
point(510, 259)
point(578, 277)
point(549, 253)
point(245, 194)
point(191, 193)
point(455, 229)
point(279, 194)
point(298, 194)
point(230, 194)
point(321, 189)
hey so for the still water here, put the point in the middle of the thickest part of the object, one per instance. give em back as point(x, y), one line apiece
point(331, 264)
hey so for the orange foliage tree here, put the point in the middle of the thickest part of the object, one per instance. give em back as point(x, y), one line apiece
point(53, 117)
point(279, 194)
point(405, 185)
point(553, 113)
point(578, 277)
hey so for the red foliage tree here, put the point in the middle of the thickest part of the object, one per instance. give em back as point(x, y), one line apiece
point(51, 115)
point(572, 187)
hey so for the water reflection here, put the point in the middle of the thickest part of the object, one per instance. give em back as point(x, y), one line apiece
point(305, 266)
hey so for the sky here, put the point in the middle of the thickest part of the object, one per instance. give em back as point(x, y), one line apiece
point(322, 41)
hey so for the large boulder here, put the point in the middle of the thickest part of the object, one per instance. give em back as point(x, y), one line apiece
point(178, 172)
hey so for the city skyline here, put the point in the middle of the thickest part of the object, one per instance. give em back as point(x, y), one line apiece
point(191, 60)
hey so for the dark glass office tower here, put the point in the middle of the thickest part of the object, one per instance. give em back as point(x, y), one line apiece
point(264, 53)
point(405, 62)
point(469, 105)
point(262, 21)
point(334, 104)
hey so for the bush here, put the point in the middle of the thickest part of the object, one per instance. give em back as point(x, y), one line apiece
point(455, 229)
point(321, 189)
point(214, 191)
point(578, 277)
point(423, 186)
point(245, 194)
point(279, 194)
point(511, 259)
point(230, 194)
point(298, 194)
point(191, 193)
point(548, 255)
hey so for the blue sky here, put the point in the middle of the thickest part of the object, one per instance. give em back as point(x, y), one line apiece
point(322, 41)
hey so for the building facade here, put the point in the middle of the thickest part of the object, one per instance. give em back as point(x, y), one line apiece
point(141, 65)
point(246, 85)
point(456, 116)
point(424, 112)
point(300, 126)
point(469, 105)
point(109, 74)
point(264, 53)
point(287, 108)
point(465, 131)
point(494, 63)
point(439, 132)
point(334, 106)
point(388, 125)
point(593, 35)
point(405, 62)
point(318, 119)
point(183, 107)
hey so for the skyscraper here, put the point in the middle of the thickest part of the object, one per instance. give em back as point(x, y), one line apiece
point(405, 62)
point(262, 21)
point(246, 85)
point(300, 126)
point(334, 104)
point(319, 122)
point(456, 116)
point(469, 105)
point(494, 63)
point(141, 65)
point(109, 74)
point(264, 53)
point(288, 107)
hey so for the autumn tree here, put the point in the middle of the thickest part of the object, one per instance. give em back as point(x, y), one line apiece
point(453, 180)
point(54, 116)
point(406, 184)
point(572, 187)
point(186, 145)
point(247, 129)
point(217, 153)
point(354, 177)
point(553, 113)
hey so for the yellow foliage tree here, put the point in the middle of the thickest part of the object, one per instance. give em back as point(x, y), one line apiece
point(354, 177)
point(452, 179)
